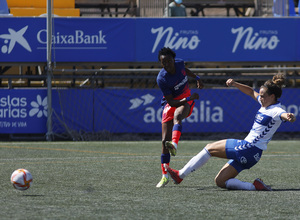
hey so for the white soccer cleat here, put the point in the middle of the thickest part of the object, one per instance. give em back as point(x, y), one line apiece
point(164, 181)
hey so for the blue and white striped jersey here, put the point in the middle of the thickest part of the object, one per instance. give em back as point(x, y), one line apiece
point(266, 122)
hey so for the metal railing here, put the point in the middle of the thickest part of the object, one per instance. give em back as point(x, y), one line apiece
point(196, 70)
point(91, 75)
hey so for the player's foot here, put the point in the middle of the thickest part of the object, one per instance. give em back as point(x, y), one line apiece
point(174, 174)
point(261, 186)
point(172, 147)
point(164, 181)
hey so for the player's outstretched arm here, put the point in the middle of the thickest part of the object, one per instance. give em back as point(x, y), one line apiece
point(243, 88)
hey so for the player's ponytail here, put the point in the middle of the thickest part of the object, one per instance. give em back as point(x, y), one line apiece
point(275, 85)
point(279, 79)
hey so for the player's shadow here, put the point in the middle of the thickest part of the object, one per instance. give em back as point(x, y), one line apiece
point(34, 195)
point(226, 190)
point(282, 190)
point(285, 190)
point(193, 187)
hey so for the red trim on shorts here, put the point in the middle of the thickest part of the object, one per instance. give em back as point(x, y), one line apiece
point(168, 112)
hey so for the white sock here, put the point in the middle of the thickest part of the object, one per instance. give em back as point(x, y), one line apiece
point(239, 185)
point(195, 163)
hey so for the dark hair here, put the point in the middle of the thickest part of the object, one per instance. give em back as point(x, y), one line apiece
point(166, 51)
point(275, 85)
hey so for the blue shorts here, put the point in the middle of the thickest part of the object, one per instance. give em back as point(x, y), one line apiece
point(243, 155)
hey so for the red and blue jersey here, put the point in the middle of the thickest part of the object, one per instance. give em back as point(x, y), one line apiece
point(174, 84)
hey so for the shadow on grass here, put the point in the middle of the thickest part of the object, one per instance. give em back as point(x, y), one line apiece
point(215, 188)
point(194, 187)
point(285, 190)
point(34, 195)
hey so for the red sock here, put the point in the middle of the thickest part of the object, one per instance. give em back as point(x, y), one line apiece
point(163, 169)
point(176, 133)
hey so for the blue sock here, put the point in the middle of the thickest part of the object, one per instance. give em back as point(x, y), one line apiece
point(177, 127)
point(165, 158)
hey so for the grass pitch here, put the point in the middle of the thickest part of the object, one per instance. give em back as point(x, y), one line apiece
point(116, 180)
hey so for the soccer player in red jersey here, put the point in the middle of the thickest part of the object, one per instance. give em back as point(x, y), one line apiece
point(177, 103)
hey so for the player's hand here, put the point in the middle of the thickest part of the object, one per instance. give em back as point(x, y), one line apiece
point(199, 84)
point(194, 96)
point(230, 82)
point(291, 117)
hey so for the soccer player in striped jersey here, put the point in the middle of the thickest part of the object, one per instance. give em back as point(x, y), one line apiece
point(177, 103)
point(244, 154)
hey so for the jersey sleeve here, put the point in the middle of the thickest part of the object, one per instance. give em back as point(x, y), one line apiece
point(278, 113)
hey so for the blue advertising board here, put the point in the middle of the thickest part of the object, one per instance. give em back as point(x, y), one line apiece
point(215, 39)
point(130, 111)
point(141, 111)
point(217, 110)
point(139, 39)
point(23, 111)
point(74, 40)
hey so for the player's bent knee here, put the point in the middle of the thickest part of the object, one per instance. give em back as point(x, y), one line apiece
point(178, 119)
point(219, 182)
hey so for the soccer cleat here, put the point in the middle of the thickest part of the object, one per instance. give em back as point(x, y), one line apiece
point(164, 181)
point(172, 147)
point(261, 186)
point(174, 174)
